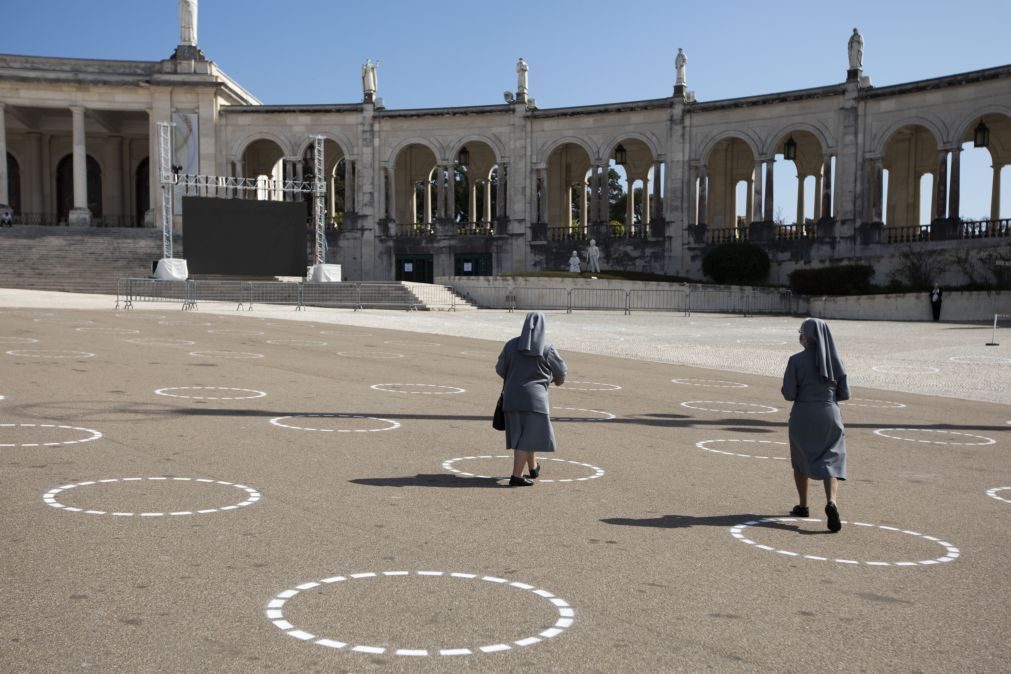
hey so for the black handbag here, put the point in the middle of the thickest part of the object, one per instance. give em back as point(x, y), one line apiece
point(498, 419)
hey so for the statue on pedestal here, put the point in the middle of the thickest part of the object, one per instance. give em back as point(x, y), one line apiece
point(593, 257)
point(856, 49)
point(574, 263)
point(370, 80)
point(188, 22)
point(521, 78)
point(680, 62)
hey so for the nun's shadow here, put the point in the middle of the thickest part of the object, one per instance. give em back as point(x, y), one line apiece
point(722, 521)
point(432, 480)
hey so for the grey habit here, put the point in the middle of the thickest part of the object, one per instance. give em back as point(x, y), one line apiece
point(815, 381)
point(528, 364)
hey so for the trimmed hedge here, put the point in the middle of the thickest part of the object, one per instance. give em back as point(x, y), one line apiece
point(738, 263)
point(844, 279)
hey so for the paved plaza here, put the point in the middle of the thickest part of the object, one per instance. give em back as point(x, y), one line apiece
point(221, 490)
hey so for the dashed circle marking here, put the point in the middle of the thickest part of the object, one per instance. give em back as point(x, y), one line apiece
point(169, 392)
point(252, 496)
point(95, 435)
point(702, 445)
point(761, 342)
point(297, 342)
point(18, 340)
point(448, 465)
point(64, 321)
point(275, 613)
point(406, 342)
point(376, 355)
point(590, 386)
point(905, 369)
point(760, 409)
point(186, 323)
point(737, 532)
point(227, 331)
point(870, 402)
point(424, 389)
point(232, 355)
point(49, 353)
point(342, 333)
point(709, 383)
point(392, 424)
point(607, 416)
point(109, 331)
point(992, 493)
point(980, 360)
point(884, 432)
point(160, 341)
point(478, 354)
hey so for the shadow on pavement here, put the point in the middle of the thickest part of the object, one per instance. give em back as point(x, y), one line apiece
point(432, 480)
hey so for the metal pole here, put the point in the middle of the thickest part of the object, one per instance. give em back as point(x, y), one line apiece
point(319, 197)
point(167, 180)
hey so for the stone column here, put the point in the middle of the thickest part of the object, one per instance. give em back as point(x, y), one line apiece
point(817, 197)
point(451, 192)
point(502, 191)
point(955, 190)
point(769, 191)
point(440, 193)
point(472, 202)
point(878, 173)
point(287, 175)
point(79, 214)
point(647, 212)
point(427, 215)
point(543, 174)
point(584, 199)
point(800, 199)
point(5, 197)
point(349, 185)
point(630, 203)
point(755, 211)
point(657, 212)
point(826, 185)
point(995, 193)
point(129, 195)
point(703, 196)
point(486, 215)
point(113, 205)
point(941, 185)
point(392, 193)
point(36, 196)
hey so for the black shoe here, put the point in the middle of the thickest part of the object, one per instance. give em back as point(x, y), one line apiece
point(800, 511)
point(535, 472)
point(520, 482)
point(834, 524)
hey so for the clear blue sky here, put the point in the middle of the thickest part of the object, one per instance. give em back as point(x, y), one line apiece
point(464, 53)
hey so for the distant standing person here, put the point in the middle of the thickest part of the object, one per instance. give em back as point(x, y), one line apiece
point(528, 364)
point(6, 220)
point(935, 301)
point(815, 380)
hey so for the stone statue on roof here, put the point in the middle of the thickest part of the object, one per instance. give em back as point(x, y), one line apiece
point(856, 48)
point(680, 62)
point(521, 77)
point(188, 22)
point(370, 80)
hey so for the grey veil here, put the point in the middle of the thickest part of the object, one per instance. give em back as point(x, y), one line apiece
point(532, 338)
point(820, 339)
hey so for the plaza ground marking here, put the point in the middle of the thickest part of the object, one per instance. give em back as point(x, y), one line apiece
point(702, 445)
point(170, 392)
point(450, 390)
point(277, 421)
point(252, 496)
point(694, 405)
point(95, 435)
point(448, 465)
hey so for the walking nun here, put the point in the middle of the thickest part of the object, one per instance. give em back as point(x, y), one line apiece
point(815, 381)
point(528, 364)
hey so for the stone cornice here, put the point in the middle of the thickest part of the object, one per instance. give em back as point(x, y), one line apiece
point(279, 109)
point(628, 106)
point(767, 99)
point(504, 108)
point(947, 81)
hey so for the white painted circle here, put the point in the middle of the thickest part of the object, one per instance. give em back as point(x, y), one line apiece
point(64, 321)
point(992, 493)
point(250, 333)
point(393, 424)
point(50, 353)
point(952, 551)
point(160, 341)
point(109, 331)
point(232, 355)
point(709, 383)
point(186, 323)
point(142, 317)
point(607, 416)
point(296, 342)
point(758, 409)
point(18, 340)
point(419, 389)
point(589, 386)
point(170, 392)
point(95, 435)
point(870, 402)
point(980, 360)
point(703, 445)
point(597, 470)
point(479, 354)
point(252, 496)
point(405, 342)
point(377, 355)
point(761, 342)
point(3, 397)
point(275, 614)
point(905, 369)
point(884, 432)
point(341, 333)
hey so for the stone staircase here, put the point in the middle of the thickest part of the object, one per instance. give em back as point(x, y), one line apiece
point(75, 259)
point(438, 298)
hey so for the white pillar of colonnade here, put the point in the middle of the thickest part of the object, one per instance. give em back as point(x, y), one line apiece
point(4, 196)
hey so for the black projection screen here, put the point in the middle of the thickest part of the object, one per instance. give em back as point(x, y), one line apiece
point(244, 238)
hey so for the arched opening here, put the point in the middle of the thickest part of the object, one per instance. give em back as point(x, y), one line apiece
point(142, 189)
point(65, 187)
point(413, 199)
point(631, 188)
point(13, 184)
point(476, 188)
point(264, 160)
point(565, 201)
point(799, 177)
point(986, 153)
point(339, 198)
point(910, 154)
point(730, 163)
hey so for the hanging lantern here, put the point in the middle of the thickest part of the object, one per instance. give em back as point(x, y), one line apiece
point(620, 155)
point(464, 156)
point(790, 149)
point(981, 136)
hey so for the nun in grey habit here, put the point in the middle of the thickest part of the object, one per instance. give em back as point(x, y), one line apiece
point(528, 364)
point(815, 381)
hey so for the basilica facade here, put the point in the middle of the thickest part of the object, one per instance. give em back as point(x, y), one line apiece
point(417, 194)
